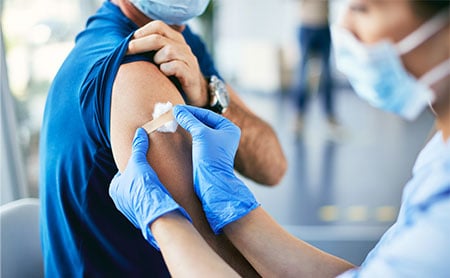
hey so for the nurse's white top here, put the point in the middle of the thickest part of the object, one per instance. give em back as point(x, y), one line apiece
point(418, 244)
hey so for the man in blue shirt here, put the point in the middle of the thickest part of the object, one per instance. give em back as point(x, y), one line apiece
point(97, 100)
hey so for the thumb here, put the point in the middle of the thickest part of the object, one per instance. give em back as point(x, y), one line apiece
point(186, 120)
point(140, 143)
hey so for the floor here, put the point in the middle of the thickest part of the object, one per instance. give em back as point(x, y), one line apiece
point(343, 185)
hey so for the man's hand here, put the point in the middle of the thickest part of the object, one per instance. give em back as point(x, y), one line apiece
point(174, 57)
point(138, 193)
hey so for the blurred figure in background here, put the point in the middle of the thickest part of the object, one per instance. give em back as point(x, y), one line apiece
point(314, 39)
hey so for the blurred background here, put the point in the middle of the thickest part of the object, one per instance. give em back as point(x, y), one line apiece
point(343, 186)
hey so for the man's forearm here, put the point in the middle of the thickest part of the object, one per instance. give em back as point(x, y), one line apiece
point(260, 156)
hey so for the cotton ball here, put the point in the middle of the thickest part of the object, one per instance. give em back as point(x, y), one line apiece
point(160, 109)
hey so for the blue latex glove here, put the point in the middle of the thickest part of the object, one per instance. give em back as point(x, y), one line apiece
point(138, 193)
point(225, 198)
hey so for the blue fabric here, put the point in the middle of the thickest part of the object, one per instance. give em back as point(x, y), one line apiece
point(418, 244)
point(82, 232)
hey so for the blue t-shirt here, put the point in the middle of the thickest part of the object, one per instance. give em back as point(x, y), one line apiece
point(82, 232)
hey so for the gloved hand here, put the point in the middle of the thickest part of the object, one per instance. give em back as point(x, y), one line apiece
point(225, 198)
point(138, 193)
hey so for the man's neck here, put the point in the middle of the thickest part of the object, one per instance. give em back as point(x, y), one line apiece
point(132, 12)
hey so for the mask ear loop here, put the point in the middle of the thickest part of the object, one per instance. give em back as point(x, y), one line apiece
point(423, 33)
point(430, 104)
point(433, 76)
point(437, 73)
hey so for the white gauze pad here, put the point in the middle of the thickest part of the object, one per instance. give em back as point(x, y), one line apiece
point(163, 120)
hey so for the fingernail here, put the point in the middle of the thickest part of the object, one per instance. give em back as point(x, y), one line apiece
point(131, 45)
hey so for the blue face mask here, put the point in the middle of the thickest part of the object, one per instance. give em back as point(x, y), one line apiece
point(172, 12)
point(377, 74)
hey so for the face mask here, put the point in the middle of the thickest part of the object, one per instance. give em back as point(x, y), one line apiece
point(172, 12)
point(377, 74)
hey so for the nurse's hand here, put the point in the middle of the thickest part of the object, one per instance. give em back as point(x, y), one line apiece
point(173, 56)
point(215, 139)
point(137, 192)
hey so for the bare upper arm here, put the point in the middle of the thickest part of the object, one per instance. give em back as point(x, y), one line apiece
point(137, 87)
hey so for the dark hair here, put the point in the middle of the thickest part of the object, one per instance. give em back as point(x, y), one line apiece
point(428, 8)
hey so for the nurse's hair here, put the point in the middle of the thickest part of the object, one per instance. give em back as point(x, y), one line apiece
point(427, 8)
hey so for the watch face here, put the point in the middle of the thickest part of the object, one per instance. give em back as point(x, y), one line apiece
point(223, 97)
point(220, 93)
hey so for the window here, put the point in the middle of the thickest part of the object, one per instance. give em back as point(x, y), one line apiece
point(37, 37)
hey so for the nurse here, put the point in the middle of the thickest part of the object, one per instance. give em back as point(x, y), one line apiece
point(396, 55)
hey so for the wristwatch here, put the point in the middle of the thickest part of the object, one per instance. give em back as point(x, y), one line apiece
point(219, 99)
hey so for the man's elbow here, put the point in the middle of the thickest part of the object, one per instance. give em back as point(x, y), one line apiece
point(267, 174)
point(275, 174)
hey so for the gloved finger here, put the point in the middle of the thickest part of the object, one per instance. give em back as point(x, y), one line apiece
point(209, 118)
point(187, 121)
point(140, 144)
point(114, 186)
